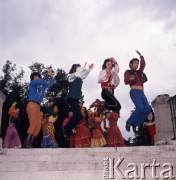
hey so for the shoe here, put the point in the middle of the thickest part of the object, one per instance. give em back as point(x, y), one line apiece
point(96, 103)
point(33, 139)
point(135, 129)
point(128, 127)
point(27, 142)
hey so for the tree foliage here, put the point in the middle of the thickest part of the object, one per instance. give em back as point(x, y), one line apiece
point(57, 93)
point(39, 67)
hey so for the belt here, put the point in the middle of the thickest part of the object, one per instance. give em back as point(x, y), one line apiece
point(137, 87)
point(107, 87)
point(34, 102)
point(11, 124)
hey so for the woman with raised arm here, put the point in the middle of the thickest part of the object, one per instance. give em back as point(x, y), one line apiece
point(76, 76)
point(109, 80)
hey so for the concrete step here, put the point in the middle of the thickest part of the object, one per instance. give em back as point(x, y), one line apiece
point(87, 163)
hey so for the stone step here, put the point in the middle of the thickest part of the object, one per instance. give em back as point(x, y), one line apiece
point(84, 163)
point(89, 154)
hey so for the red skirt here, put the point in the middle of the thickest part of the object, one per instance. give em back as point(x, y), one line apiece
point(115, 138)
point(82, 137)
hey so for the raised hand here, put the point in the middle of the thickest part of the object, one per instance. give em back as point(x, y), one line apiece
point(138, 52)
point(113, 60)
point(91, 66)
point(50, 73)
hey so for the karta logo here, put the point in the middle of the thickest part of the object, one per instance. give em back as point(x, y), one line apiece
point(113, 169)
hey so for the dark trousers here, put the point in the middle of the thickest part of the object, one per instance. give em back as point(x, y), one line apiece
point(111, 103)
point(77, 116)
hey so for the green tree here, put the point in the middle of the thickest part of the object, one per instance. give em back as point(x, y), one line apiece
point(39, 67)
point(57, 93)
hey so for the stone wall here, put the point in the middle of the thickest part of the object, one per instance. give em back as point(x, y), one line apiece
point(164, 128)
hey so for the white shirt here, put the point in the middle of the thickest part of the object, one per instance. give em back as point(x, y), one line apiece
point(81, 72)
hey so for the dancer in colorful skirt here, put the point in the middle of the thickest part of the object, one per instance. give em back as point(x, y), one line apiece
point(97, 137)
point(49, 140)
point(12, 139)
point(82, 135)
point(114, 138)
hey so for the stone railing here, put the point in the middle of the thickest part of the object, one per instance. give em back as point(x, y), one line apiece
point(163, 119)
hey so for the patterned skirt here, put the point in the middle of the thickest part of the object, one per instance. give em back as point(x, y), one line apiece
point(97, 139)
point(48, 140)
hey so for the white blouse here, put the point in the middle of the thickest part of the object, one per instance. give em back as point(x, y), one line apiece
point(81, 72)
point(114, 72)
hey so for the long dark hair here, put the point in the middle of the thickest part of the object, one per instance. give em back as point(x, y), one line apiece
point(104, 64)
point(86, 113)
point(73, 68)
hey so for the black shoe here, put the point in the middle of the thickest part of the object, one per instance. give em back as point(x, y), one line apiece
point(128, 127)
point(33, 140)
point(27, 142)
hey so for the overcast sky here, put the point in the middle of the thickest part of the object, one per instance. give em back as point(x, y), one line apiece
point(63, 32)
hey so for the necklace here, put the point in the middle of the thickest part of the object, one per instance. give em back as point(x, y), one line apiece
point(39, 90)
